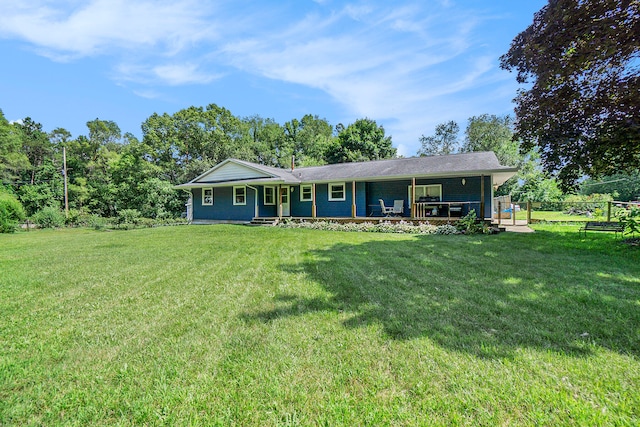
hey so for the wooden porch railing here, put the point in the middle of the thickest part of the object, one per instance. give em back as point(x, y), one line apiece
point(426, 210)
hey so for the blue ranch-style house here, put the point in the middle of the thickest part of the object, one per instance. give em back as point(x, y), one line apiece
point(437, 187)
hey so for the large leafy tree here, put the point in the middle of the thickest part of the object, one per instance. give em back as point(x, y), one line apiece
point(267, 140)
point(309, 139)
point(444, 141)
point(580, 60)
point(35, 145)
point(489, 132)
point(360, 141)
point(192, 140)
point(12, 158)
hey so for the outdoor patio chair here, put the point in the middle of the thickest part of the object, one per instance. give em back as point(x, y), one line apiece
point(398, 207)
point(386, 211)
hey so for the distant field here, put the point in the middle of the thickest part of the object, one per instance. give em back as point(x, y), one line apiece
point(232, 325)
point(561, 216)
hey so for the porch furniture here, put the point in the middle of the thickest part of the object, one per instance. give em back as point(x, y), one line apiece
point(455, 210)
point(422, 199)
point(429, 206)
point(386, 211)
point(616, 227)
point(398, 207)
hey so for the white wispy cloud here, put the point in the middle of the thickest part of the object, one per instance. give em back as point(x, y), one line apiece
point(401, 63)
point(180, 74)
point(381, 63)
point(71, 29)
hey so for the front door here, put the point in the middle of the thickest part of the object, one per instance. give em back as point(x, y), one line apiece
point(284, 200)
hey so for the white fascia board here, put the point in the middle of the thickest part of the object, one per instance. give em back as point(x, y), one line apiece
point(510, 172)
point(264, 181)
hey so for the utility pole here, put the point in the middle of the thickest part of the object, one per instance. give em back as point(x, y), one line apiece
point(66, 191)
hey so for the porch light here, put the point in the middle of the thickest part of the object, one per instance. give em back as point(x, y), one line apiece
point(464, 181)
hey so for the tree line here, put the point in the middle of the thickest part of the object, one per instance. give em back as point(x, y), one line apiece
point(109, 171)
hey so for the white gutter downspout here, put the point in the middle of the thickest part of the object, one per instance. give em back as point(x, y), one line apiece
point(256, 213)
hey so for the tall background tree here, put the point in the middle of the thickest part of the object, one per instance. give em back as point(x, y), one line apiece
point(488, 132)
point(580, 60)
point(110, 172)
point(444, 141)
point(13, 160)
point(360, 141)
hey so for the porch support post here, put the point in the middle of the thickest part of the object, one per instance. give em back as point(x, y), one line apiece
point(413, 197)
point(482, 197)
point(353, 199)
point(279, 201)
point(313, 200)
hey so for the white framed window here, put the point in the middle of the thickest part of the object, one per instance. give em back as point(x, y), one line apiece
point(306, 193)
point(337, 192)
point(432, 190)
point(269, 196)
point(240, 195)
point(207, 196)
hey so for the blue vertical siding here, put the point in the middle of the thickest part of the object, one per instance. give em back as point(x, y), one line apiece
point(367, 196)
point(267, 210)
point(298, 208)
point(387, 191)
point(325, 208)
point(361, 199)
point(223, 208)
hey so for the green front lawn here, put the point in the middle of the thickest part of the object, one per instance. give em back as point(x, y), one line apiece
point(232, 325)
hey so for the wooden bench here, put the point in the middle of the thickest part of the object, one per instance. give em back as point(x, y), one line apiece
point(616, 227)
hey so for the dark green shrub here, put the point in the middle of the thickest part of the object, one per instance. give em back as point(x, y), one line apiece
point(631, 220)
point(49, 217)
point(129, 218)
point(77, 218)
point(96, 222)
point(11, 213)
point(469, 224)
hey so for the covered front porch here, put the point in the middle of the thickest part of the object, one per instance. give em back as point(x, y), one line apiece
point(437, 199)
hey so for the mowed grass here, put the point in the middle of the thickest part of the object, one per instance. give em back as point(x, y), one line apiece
point(231, 325)
point(558, 216)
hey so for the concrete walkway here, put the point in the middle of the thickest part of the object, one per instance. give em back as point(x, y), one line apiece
point(517, 228)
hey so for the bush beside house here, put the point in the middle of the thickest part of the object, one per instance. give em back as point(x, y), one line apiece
point(11, 212)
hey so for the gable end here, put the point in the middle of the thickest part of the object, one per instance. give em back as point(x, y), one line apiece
point(231, 171)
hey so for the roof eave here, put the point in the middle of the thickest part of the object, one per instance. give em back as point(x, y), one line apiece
point(265, 181)
point(511, 171)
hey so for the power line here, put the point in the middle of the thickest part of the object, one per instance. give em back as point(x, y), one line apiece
point(606, 182)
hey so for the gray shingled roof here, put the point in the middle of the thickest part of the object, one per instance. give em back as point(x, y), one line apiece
point(465, 164)
point(454, 164)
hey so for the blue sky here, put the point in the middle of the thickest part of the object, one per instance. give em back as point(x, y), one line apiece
point(409, 65)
